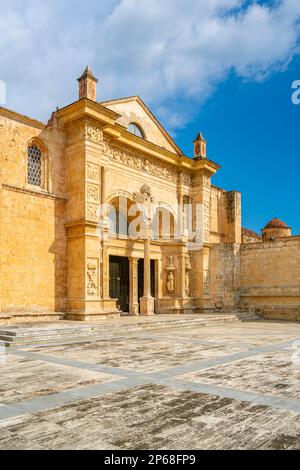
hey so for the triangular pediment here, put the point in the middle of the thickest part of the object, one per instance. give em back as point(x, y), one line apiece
point(134, 110)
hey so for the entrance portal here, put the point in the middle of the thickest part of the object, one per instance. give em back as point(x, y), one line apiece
point(119, 281)
point(141, 278)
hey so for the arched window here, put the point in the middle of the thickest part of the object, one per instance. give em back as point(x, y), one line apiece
point(118, 223)
point(136, 130)
point(34, 166)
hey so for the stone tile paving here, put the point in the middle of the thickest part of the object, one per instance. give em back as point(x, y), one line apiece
point(271, 374)
point(24, 378)
point(142, 354)
point(226, 386)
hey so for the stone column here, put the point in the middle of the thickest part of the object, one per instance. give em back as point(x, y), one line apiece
point(133, 287)
point(147, 301)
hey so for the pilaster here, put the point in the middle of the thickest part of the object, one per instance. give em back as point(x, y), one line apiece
point(88, 296)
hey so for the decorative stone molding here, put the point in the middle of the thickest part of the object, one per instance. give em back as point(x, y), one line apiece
point(206, 283)
point(120, 193)
point(92, 211)
point(93, 172)
point(186, 179)
point(93, 193)
point(202, 180)
point(93, 134)
point(140, 163)
point(187, 282)
point(92, 277)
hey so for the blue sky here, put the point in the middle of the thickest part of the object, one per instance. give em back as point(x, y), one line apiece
point(253, 131)
point(224, 67)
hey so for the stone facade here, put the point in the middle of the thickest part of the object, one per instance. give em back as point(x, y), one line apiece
point(56, 249)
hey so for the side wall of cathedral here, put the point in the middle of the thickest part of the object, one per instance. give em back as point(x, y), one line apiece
point(33, 241)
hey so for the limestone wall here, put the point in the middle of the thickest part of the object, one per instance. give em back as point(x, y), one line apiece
point(270, 278)
point(33, 243)
point(225, 216)
point(224, 275)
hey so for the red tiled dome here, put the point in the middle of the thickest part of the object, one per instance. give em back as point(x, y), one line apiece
point(276, 223)
point(250, 233)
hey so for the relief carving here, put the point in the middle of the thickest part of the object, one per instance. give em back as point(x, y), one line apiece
point(92, 277)
point(93, 134)
point(92, 211)
point(141, 163)
point(93, 172)
point(92, 193)
point(187, 282)
point(206, 283)
point(200, 180)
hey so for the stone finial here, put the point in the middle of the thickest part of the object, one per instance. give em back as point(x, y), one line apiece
point(199, 146)
point(88, 85)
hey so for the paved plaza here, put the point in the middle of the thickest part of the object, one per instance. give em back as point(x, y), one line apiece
point(232, 385)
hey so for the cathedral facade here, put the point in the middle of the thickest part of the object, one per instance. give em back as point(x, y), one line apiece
point(102, 213)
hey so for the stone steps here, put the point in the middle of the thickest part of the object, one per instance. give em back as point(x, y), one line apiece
point(248, 316)
point(50, 335)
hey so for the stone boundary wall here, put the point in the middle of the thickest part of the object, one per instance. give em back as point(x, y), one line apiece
point(269, 281)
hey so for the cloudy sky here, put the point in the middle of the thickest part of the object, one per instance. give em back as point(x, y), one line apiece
point(199, 64)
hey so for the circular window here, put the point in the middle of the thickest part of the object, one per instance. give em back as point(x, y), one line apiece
point(136, 130)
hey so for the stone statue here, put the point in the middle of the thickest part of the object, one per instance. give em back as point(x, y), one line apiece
point(171, 282)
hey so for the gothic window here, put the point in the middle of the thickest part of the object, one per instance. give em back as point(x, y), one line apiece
point(136, 130)
point(34, 166)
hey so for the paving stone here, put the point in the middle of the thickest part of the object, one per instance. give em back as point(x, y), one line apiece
point(230, 386)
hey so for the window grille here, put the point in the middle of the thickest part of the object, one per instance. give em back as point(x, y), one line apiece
point(34, 168)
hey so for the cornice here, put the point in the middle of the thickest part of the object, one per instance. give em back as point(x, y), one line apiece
point(8, 113)
point(86, 108)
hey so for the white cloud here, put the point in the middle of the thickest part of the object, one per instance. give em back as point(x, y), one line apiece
point(171, 52)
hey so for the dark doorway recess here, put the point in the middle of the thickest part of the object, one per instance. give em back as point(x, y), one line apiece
point(119, 281)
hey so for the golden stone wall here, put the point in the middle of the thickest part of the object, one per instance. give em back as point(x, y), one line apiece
point(270, 278)
point(33, 242)
point(262, 277)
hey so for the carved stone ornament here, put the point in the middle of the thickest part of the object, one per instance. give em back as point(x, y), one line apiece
point(187, 282)
point(93, 171)
point(188, 265)
point(93, 193)
point(144, 195)
point(93, 134)
point(171, 282)
point(92, 283)
point(206, 283)
point(170, 263)
point(142, 163)
point(92, 211)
